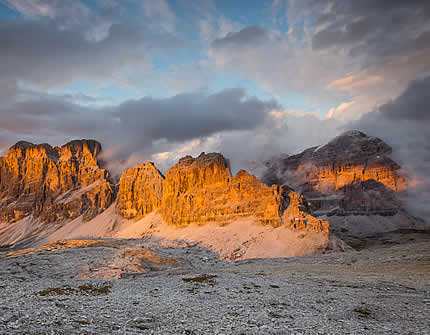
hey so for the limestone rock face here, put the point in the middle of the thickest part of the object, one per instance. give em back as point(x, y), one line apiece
point(140, 191)
point(53, 182)
point(201, 190)
point(296, 215)
point(344, 176)
point(350, 158)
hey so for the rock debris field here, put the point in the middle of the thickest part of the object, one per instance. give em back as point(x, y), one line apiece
point(154, 287)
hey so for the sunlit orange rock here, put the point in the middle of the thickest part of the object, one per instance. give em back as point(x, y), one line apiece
point(350, 158)
point(53, 182)
point(201, 190)
point(351, 175)
point(140, 191)
point(296, 217)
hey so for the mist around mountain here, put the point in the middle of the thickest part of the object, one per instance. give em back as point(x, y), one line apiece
point(200, 248)
point(307, 203)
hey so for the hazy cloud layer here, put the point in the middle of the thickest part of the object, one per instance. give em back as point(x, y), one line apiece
point(43, 54)
point(146, 126)
point(187, 116)
point(248, 36)
point(360, 51)
point(404, 123)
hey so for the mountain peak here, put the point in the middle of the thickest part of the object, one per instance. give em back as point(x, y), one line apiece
point(41, 180)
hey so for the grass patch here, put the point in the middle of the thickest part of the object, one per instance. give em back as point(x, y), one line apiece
point(95, 290)
point(363, 312)
point(88, 289)
point(200, 279)
point(81, 322)
point(357, 244)
point(274, 286)
point(65, 290)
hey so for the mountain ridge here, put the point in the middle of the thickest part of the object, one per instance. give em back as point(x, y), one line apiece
point(56, 185)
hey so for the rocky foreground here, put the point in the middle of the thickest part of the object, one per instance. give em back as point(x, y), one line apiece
point(203, 251)
point(145, 286)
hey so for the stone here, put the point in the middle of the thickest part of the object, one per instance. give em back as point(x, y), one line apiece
point(140, 191)
point(351, 175)
point(296, 216)
point(350, 158)
point(202, 190)
point(53, 182)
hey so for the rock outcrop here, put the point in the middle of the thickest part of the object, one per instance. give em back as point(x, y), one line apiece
point(140, 191)
point(296, 217)
point(342, 176)
point(53, 183)
point(350, 158)
point(202, 190)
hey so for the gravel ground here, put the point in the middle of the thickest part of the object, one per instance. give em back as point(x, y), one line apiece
point(142, 286)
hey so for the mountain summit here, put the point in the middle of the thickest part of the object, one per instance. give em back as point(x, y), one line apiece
point(53, 183)
point(47, 190)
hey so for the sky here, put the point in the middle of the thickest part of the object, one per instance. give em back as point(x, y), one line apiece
point(158, 80)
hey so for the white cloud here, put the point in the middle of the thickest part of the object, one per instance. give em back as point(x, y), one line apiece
point(159, 14)
point(356, 82)
point(339, 111)
point(32, 7)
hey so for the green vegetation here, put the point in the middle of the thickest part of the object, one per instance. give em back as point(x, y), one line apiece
point(88, 289)
point(363, 312)
point(200, 279)
point(65, 290)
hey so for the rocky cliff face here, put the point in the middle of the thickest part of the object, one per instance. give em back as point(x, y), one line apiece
point(296, 216)
point(201, 190)
point(61, 183)
point(53, 182)
point(140, 191)
point(342, 175)
point(350, 158)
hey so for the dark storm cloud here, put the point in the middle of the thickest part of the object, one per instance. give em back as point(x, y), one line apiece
point(249, 36)
point(404, 123)
point(340, 34)
point(30, 114)
point(413, 104)
point(375, 29)
point(136, 124)
point(404, 120)
point(45, 54)
point(186, 116)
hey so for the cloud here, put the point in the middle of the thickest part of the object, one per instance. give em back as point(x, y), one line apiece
point(356, 82)
point(413, 104)
point(404, 123)
point(247, 130)
point(283, 132)
point(160, 14)
point(333, 51)
point(44, 55)
point(275, 61)
point(148, 125)
point(339, 111)
point(191, 115)
point(213, 28)
point(48, 8)
point(57, 43)
point(248, 36)
point(378, 34)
